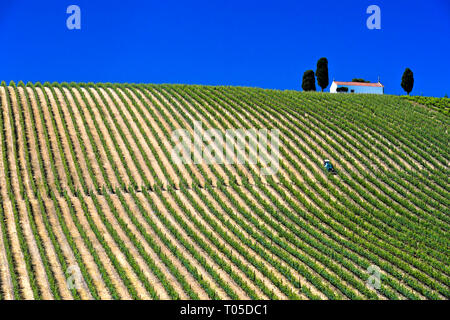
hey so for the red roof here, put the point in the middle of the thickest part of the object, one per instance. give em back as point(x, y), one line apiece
point(363, 84)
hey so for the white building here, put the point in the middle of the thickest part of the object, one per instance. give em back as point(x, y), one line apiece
point(357, 87)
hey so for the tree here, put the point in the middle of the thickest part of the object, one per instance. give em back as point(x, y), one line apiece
point(359, 80)
point(407, 80)
point(322, 73)
point(309, 81)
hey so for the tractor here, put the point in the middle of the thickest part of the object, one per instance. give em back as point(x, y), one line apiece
point(329, 167)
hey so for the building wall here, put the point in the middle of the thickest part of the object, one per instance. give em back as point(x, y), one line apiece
point(358, 89)
point(362, 89)
point(333, 87)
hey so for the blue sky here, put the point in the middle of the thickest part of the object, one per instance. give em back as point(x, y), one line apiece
point(258, 43)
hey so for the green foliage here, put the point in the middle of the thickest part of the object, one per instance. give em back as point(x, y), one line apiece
point(322, 73)
point(309, 81)
point(439, 104)
point(407, 80)
point(90, 166)
point(360, 80)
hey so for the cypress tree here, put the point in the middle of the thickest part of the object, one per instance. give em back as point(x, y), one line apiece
point(309, 81)
point(322, 73)
point(407, 80)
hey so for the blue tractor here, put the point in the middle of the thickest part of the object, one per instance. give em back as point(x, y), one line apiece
point(329, 167)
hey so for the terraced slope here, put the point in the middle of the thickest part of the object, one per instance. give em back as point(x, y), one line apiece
point(438, 104)
point(89, 192)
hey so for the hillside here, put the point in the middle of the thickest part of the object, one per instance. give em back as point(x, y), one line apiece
point(438, 104)
point(89, 191)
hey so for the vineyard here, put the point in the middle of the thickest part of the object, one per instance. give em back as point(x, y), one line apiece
point(89, 191)
point(439, 104)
